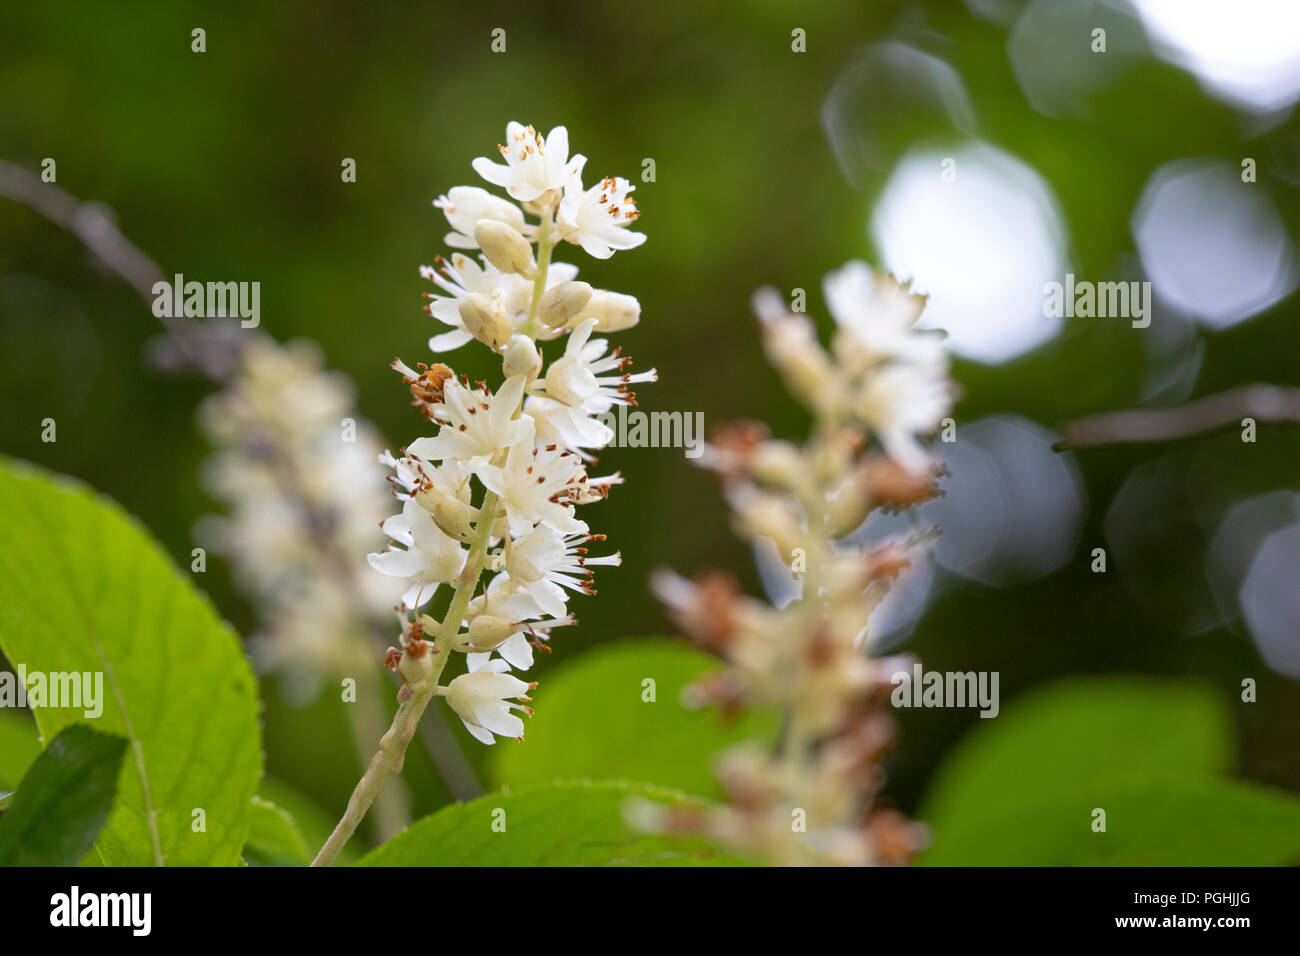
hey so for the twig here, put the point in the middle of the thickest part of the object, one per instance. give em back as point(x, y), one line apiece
point(1276, 404)
point(95, 227)
point(92, 223)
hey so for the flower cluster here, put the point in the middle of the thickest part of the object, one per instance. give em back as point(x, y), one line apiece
point(296, 468)
point(813, 798)
point(496, 488)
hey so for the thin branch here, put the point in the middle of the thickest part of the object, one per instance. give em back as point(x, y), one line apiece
point(95, 227)
point(1275, 404)
point(92, 223)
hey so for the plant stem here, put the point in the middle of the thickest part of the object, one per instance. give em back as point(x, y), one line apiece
point(392, 810)
point(389, 758)
point(539, 281)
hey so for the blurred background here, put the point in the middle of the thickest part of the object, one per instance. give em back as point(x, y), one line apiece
point(771, 167)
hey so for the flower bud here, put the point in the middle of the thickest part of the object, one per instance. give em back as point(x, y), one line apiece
point(569, 382)
point(613, 311)
point(484, 322)
point(780, 463)
point(417, 661)
point(450, 514)
point(520, 568)
point(521, 358)
point(504, 247)
point(849, 508)
point(487, 631)
point(563, 304)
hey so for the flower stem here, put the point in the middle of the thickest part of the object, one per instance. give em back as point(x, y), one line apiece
point(389, 758)
point(539, 281)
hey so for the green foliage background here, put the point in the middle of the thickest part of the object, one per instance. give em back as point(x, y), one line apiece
point(226, 165)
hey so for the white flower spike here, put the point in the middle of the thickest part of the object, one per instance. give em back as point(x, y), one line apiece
point(807, 656)
point(489, 500)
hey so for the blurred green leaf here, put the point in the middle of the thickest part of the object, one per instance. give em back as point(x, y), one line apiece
point(592, 722)
point(273, 836)
point(63, 800)
point(84, 589)
point(565, 824)
point(312, 821)
point(1182, 823)
point(19, 747)
point(1077, 733)
point(1021, 790)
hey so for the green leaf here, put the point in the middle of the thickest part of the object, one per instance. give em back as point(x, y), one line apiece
point(1021, 788)
point(1192, 823)
point(1075, 734)
point(19, 747)
point(568, 824)
point(84, 589)
point(591, 721)
point(273, 836)
point(63, 800)
point(314, 822)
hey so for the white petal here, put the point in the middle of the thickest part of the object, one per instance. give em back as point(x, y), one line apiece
point(549, 597)
point(517, 651)
point(398, 529)
point(479, 733)
point(397, 564)
point(499, 720)
point(447, 341)
point(495, 173)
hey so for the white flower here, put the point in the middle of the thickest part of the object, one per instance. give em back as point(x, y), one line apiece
point(901, 400)
point(430, 557)
point(515, 650)
point(481, 700)
point(597, 218)
point(546, 563)
point(510, 294)
point(581, 379)
point(475, 424)
point(412, 474)
point(879, 314)
point(538, 484)
point(461, 278)
point(534, 167)
point(505, 608)
point(466, 206)
point(504, 597)
point(570, 428)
